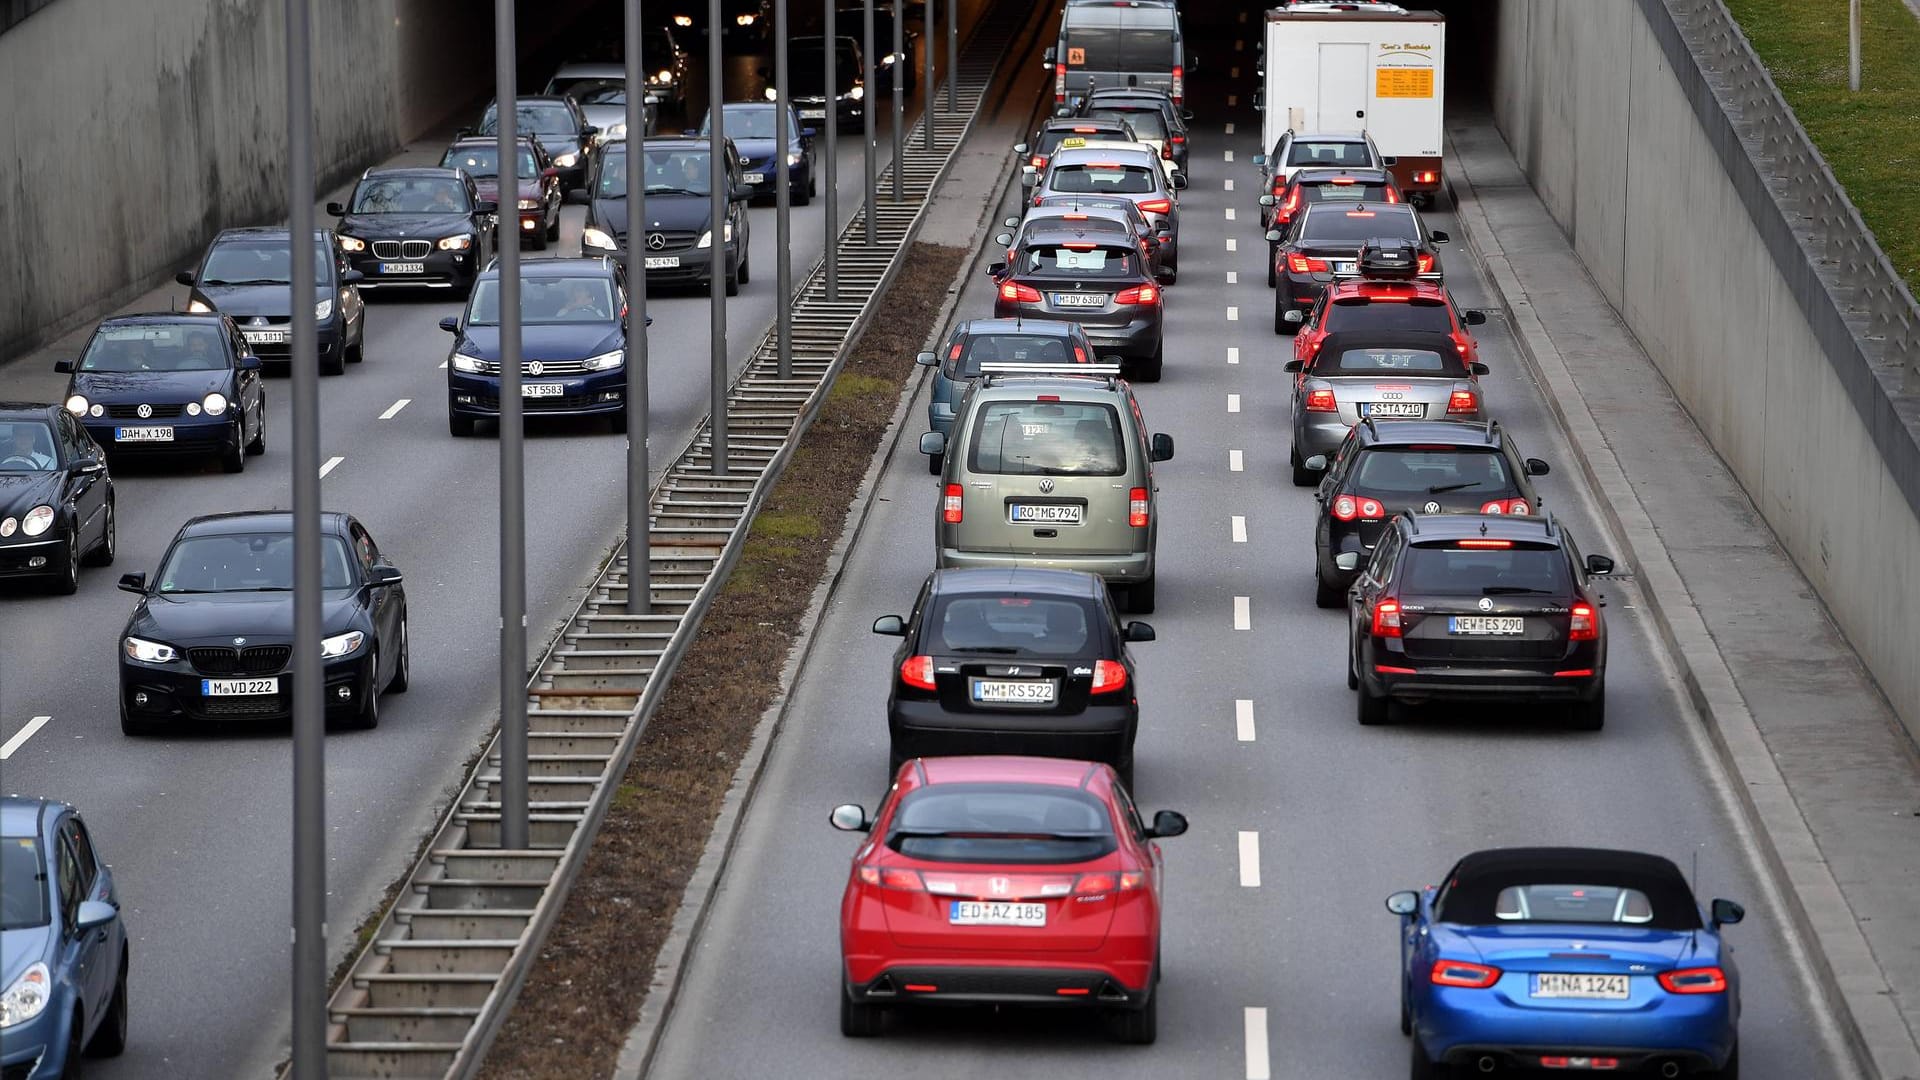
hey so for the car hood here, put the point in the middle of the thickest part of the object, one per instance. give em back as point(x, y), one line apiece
point(605, 116)
point(121, 387)
point(488, 187)
point(20, 949)
point(395, 226)
point(273, 301)
point(574, 341)
point(759, 148)
point(1601, 946)
point(21, 492)
point(263, 618)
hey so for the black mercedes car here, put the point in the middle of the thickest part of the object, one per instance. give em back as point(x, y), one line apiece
point(56, 497)
point(414, 227)
point(212, 636)
point(679, 231)
point(248, 274)
point(560, 125)
point(169, 383)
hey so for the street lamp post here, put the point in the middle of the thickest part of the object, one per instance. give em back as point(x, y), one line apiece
point(783, 194)
point(720, 190)
point(831, 118)
point(870, 77)
point(639, 547)
point(513, 481)
point(901, 65)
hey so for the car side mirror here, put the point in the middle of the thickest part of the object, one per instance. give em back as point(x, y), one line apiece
point(1260, 160)
point(1165, 277)
point(740, 193)
point(1389, 161)
point(1404, 902)
point(451, 324)
point(94, 914)
point(1293, 315)
point(933, 444)
point(1019, 148)
point(1179, 181)
point(64, 367)
point(383, 575)
point(1316, 463)
point(996, 269)
point(926, 359)
point(1028, 178)
point(1273, 236)
point(1266, 200)
point(337, 209)
point(577, 197)
point(1725, 912)
point(1139, 631)
point(352, 277)
point(1599, 565)
point(1046, 58)
point(1167, 824)
point(589, 130)
point(890, 625)
point(249, 362)
point(1161, 447)
point(1347, 560)
point(89, 466)
point(1475, 318)
point(486, 206)
point(850, 817)
point(1012, 223)
point(1536, 467)
point(1187, 114)
point(184, 277)
point(1479, 368)
point(1439, 237)
point(136, 583)
point(1292, 365)
point(1004, 239)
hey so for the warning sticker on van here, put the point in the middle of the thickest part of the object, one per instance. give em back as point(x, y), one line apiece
point(1403, 82)
point(1076, 56)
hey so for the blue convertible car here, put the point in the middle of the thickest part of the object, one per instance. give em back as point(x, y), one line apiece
point(1567, 958)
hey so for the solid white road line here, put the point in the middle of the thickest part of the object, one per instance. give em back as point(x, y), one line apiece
point(1233, 277)
point(393, 410)
point(1233, 354)
point(1232, 244)
point(443, 363)
point(1229, 213)
point(1239, 529)
point(1229, 152)
point(1243, 613)
point(1250, 859)
point(1243, 719)
point(1258, 1065)
point(1233, 402)
point(1229, 186)
point(1233, 313)
point(1229, 127)
point(1235, 462)
point(20, 737)
point(328, 467)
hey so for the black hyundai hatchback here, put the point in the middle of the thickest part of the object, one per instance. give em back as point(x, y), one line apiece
point(1019, 661)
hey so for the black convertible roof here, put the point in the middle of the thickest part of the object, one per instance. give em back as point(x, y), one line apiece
point(1476, 881)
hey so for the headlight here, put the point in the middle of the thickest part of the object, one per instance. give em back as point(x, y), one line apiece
point(614, 133)
point(665, 75)
point(773, 94)
point(726, 230)
point(595, 238)
point(193, 408)
point(37, 520)
point(199, 307)
point(352, 243)
point(7, 525)
point(77, 405)
point(857, 93)
point(215, 404)
point(27, 997)
point(566, 160)
point(606, 361)
point(97, 410)
point(683, 20)
point(341, 644)
point(529, 204)
point(795, 158)
point(744, 20)
point(323, 309)
point(149, 652)
point(458, 243)
point(469, 364)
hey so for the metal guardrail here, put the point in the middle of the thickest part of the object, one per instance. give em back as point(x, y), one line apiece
point(440, 974)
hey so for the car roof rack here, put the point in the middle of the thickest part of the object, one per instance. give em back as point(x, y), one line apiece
point(990, 369)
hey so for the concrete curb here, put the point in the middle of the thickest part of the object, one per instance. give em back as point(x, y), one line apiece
point(1835, 953)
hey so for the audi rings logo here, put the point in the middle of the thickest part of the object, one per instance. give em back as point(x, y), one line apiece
point(1486, 603)
point(536, 368)
point(144, 411)
point(656, 241)
point(1046, 482)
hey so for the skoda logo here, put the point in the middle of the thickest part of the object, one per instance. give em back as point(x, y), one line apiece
point(656, 241)
point(1486, 603)
point(239, 641)
point(1433, 508)
point(144, 411)
point(536, 368)
point(999, 885)
point(1046, 482)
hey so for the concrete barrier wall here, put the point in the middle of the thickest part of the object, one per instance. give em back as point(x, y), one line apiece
point(1672, 222)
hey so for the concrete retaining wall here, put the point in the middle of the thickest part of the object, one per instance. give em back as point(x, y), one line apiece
point(1611, 110)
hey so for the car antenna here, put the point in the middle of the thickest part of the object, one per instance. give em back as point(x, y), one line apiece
point(1483, 528)
point(1694, 883)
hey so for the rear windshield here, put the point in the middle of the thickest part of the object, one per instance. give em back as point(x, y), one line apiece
point(1074, 140)
point(1140, 39)
point(485, 161)
point(1435, 570)
point(1334, 191)
point(1104, 262)
point(1573, 904)
point(152, 347)
point(964, 359)
point(1103, 180)
point(1328, 155)
point(23, 885)
point(1396, 470)
point(1047, 438)
point(1334, 226)
point(1388, 315)
point(1146, 124)
point(1093, 202)
point(1001, 823)
point(1384, 361)
point(1009, 626)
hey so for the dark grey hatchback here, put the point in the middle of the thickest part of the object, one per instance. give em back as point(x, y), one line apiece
point(993, 341)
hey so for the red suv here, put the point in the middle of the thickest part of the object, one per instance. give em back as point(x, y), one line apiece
point(1364, 304)
point(1004, 881)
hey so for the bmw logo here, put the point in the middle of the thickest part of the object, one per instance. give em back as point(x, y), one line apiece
point(144, 411)
point(239, 641)
point(1486, 603)
point(1433, 508)
point(1046, 485)
point(536, 368)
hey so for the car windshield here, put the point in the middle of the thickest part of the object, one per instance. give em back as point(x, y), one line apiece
point(587, 89)
point(157, 347)
point(1001, 823)
point(485, 161)
point(1103, 180)
point(964, 359)
point(1390, 361)
point(1079, 260)
point(751, 122)
point(1328, 155)
point(1334, 225)
point(1047, 438)
point(411, 195)
point(247, 562)
point(809, 74)
point(1009, 626)
point(676, 171)
point(1148, 124)
point(1449, 570)
point(541, 118)
point(1573, 904)
point(1388, 315)
point(1427, 470)
point(26, 446)
point(242, 263)
point(23, 885)
point(547, 300)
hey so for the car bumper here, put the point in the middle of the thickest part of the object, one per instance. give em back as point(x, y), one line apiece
point(439, 270)
point(695, 265)
point(1117, 569)
point(1524, 681)
point(478, 396)
point(796, 175)
point(1319, 433)
point(191, 435)
point(1096, 733)
point(965, 981)
point(1698, 1034)
point(33, 558)
point(1137, 339)
point(328, 340)
point(173, 693)
point(846, 112)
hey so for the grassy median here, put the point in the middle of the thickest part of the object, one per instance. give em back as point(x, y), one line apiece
point(1870, 139)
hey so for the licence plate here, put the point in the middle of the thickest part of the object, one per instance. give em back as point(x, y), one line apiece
point(995, 913)
point(1551, 984)
point(1044, 513)
point(1340, 267)
point(1486, 624)
point(143, 434)
point(1020, 692)
point(542, 389)
point(403, 268)
point(239, 687)
point(663, 262)
point(1413, 409)
point(755, 178)
point(1077, 299)
point(265, 337)
point(813, 114)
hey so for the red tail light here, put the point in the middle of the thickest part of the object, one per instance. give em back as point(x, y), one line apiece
point(1059, 82)
point(1515, 507)
point(1349, 508)
point(1701, 980)
point(1079, 355)
point(1424, 263)
point(917, 671)
point(953, 507)
point(1157, 206)
point(1499, 545)
point(888, 877)
point(1137, 508)
point(1386, 623)
point(1179, 85)
point(1582, 626)
point(1166, 151)
point(1462, 401)
point(1392, 196)
point(1018, 293)
point(1039, 161)
point(1108, 676)
point(1124, 881)
point(1321, 401)
point(1139, 294)
point(1426, 178)
point(1461, 973)
point(1177, 139)
point(1300, 264)
point(954, 353)
point(1293, 203)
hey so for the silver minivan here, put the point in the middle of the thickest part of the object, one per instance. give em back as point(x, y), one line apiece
point(1051, 470)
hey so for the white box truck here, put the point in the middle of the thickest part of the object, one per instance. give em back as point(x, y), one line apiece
point(1373, 67)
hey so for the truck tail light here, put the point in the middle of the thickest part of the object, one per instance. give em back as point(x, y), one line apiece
point(1301, 264)
point(917, 672)
point(1137, 508)
point(1386, 623)
point(1462, 401)
point(1426, 177)
point(953, 507)
point(1581, 625)
point(1059, 83)
point(1321, 401)
point(1018, 293)
point(1108, 676)
point(1179, 84)
point(1139, 294)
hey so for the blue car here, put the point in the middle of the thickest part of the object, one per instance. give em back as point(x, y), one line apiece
point(993, 341)
point(751, 127)
point(573, 359)
point(170, 383)
point(65, 963)
point(1567, 958)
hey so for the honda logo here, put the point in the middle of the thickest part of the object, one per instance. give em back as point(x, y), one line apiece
point(999, 886)
point(656, 241)
point(1486, 603)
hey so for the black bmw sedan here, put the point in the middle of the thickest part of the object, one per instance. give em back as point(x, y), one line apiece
point(56, 498)
point(167, 383)
point(419, 227)
point(211, 639)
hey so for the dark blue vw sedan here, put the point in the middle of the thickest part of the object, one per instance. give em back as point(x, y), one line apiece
point(65, 948)
point(574, 344)
point(170, 383)
point(752, 125)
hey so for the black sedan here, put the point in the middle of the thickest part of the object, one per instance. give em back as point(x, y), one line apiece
point(211, 639)
point(248, 274)
point(1098, 280)
point(1021, 661)
point(168, 383)
point(56, 497)
point(1324, 240)
point(560, 125)
point(416, 227)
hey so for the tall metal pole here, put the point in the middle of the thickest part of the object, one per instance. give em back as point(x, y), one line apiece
point(931, 43)
point(719, 199)
point(513, 481)
point(783, 194)
point(901, 66)
point(871, 78)
point(309, 716)
point(831, 64)
point(1853, 45)
point(953, 56)
point(639, 548)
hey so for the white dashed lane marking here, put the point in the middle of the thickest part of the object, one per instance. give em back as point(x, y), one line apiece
point(1233, 402)
point(1258, 1063)
point(1229, 186)
point(20, 737)
point(1229, 153)
point(1229, 210)
point(1250, 859)
point(1233, 354)
point(1243, 613)
point(1233, 99)
point(329, 466)
point(1233, 314)
point(1229, 126)
point(393, 410)
point(1233, 277)
point(1243, 719)
point(1232, 244)
point(1235, 462)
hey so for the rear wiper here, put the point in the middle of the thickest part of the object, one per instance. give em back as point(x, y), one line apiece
point(1511, 590)
point(1439, 489)
point(997, 650)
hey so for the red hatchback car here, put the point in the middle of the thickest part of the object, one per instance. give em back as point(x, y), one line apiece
point(1370, 304)
point(1004, 881)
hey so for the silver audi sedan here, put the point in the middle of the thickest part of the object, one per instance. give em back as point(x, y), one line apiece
point(1383, 375)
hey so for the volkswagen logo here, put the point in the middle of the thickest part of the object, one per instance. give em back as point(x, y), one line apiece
point(999, 885)
point(239, 641)
point(656, 241)
point(1046, 482)
point(536, 368)
point(1486, 603)
point(1433, 508)
point(144, 411)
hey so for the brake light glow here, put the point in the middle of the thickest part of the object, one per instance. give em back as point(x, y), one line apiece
point(1086, 131)
point(920, 988)
point(1179, 84)
point(1494, 545)
point(1046, 397)
point(1039, 161)
point(1018, 293)
point(1321, 401)
point(1462, 401)
point(1581, 625)
point(1079, 355)
point(1293, 203)
point(1350, 508)
point(1073, 217)
point(888, 877)
point(1387, 669)
point(1461, 973)
point(1137, 508)
point(917, 672)
point(1079, 245)
point(952, 508)
point(1341, 180)
point(954, 353)
point(1108, 676)
point(1301, 264)
point(1166, 151)
point(1513, 507)
point(1139, 294)
point(1176, 139)
point(1392, 197)
point(1701, 980)
point(1386, 623)
point(1599, 1064)
point(1426, 177)
point(1359, 213)
point(1059, 82)
point(1157, 206)
point(1424, 263)
point(1073, 991)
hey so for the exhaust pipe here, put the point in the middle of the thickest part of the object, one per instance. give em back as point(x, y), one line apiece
point(1669, 1069)
point(1487, 1064)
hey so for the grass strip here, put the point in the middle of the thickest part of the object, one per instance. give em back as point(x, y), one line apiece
point(584, 994)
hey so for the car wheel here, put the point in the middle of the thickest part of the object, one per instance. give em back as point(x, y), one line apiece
point(1280, 323)
point(102, 553)
point(136, 728)
point(1373, 709)
point(357, 352)
point(1353, 671)
point(553, 230)
point(1731, 1070)
point(1140, 597)
point(803, 196)
point(1302, 477)
point(617, 423)
point(233, 458)
point(935, 463)
point(1273, 279)
point(1406, 1012)
point(1325, 595)
point(460, 427)
point(733, 283)
point(259, 443)
point(110, 1038)
point(1125, 771)
point(1150, 371)
point(403, 668)
point(73, 1069)
point(813, 185)
point(1423, 1067)
point(1136, 1027)
point(367, 716)
point(1590, 715)
point(859, 1020)
point(746, 266)
point(895, 759)
point(66, 581)
point(336, 366)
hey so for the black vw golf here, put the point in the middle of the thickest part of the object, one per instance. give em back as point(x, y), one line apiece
point(56, 498)
point(212, 636)
point(167, 383)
